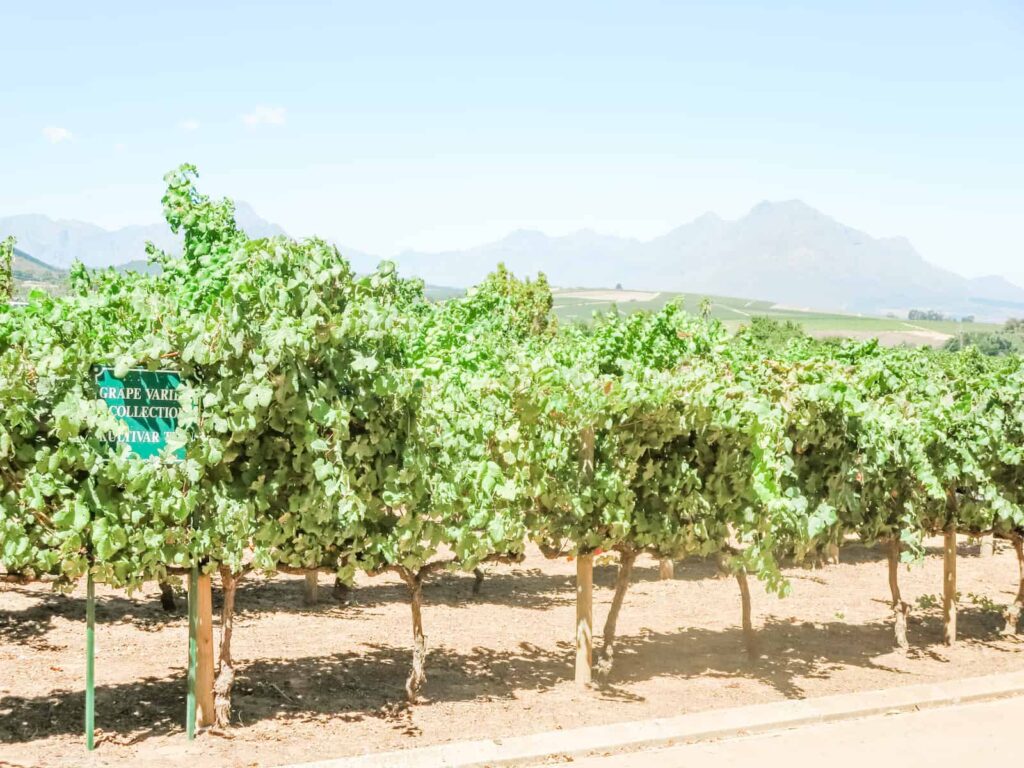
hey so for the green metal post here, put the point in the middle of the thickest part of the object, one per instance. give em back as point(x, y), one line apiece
point(90, 659)
point(193, 618)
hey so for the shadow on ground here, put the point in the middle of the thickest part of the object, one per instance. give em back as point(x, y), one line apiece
point(518, 587)
point(522, 588)
point(369, 683)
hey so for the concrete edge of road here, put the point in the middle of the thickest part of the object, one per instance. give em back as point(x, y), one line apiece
point(697, 726)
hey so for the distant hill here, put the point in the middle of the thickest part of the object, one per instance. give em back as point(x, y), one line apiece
point(362, 263)
point(60, 242)
point(27, 267)
point(786, 252)
point(442, 292)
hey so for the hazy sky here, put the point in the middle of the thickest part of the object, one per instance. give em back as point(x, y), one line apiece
point(433, 125)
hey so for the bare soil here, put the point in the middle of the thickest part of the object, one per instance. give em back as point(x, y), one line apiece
point(913, 338)
point(328, 680)
point(609, 295)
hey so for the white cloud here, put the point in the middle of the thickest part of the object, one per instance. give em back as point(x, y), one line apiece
point(56, 135)
point(264, 116)
point(191, 124)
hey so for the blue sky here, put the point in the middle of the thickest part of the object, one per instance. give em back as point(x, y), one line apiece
point(393, 125)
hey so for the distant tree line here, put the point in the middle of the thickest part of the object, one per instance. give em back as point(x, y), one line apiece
point(770, 333)
point(925, 314)
point(933, 314)
point(1008, 340)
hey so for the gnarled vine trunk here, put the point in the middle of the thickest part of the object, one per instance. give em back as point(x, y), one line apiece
point(341, 591)
point(949, 596)
point(226, 671)
point(832, 553)
point(749, 636)
point(1013, 613)
point(417, 675)
point(622, 578)
point(740, 574)
point(900, 609)
point(311, 588)
point(167, 601)
point(666, 569)
point(987, 545)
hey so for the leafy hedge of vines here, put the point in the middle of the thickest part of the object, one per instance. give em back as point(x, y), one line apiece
point(342, 421)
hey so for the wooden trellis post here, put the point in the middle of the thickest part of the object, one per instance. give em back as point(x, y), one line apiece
point(585, 578)
point(204, 648)
point(199, 709)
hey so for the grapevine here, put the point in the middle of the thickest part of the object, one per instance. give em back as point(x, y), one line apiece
point(343, 423)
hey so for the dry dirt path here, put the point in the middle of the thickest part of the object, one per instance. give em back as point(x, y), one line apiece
point(955, 736)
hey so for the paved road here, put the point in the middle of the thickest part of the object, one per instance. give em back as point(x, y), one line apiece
point(989, 733)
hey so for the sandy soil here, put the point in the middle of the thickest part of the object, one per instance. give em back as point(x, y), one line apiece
point(328, 680)
point(621, 296)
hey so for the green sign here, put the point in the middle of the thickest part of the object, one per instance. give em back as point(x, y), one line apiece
point(145, 401)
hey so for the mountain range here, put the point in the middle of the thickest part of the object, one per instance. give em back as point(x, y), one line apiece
point(786, 252)
point(62, 241)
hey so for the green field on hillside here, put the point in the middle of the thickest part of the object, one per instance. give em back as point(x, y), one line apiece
point(30, 273)
point(735, 312)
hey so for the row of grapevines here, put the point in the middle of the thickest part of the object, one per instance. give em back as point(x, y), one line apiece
point(343, 422)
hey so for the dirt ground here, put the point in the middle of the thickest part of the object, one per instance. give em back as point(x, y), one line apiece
point(610, 295)
point(913, 338)
point(328, 680)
